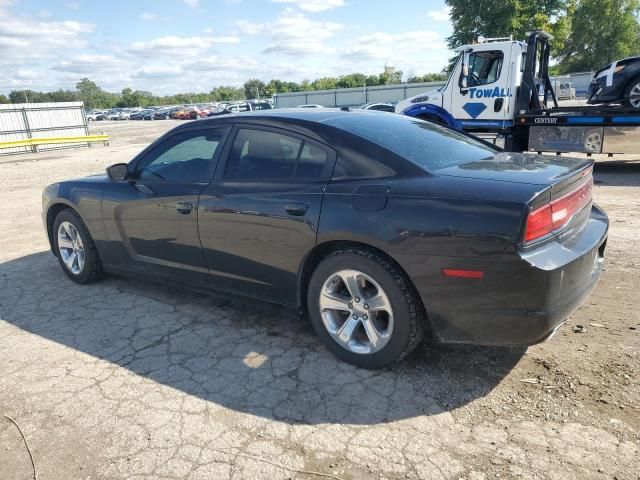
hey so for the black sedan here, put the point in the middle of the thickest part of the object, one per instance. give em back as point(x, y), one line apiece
point(382, 227)
point(618, 82)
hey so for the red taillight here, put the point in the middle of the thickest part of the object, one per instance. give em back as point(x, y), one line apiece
point(557, 214)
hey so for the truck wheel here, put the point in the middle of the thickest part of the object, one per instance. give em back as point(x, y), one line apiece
point(632, 94)
point(364, 309)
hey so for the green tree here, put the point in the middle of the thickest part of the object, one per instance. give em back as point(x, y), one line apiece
point(324, 83)
point(601, 31)
point(474, 18)
point(227, 93)
point(4, 99)
point(254, 88)
point(93, 96)
point(429, 77)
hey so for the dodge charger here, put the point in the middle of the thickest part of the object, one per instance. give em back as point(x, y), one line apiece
point(380, 228)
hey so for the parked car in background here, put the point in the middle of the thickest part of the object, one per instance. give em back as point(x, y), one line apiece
point(148, 115)
point(564, 89)
point(111, 115)
point(239, 107)
point(190, 113)
point(310, 105)
point(618, 82)
point(343, 215)
point(164, 113)
point(95, 115)
point(139, 115)
point(384, 107)
point(260, 105)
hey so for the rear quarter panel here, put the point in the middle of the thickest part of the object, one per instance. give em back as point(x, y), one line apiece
point(431, 223)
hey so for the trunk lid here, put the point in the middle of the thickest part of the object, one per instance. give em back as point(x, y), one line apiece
point(532, 169)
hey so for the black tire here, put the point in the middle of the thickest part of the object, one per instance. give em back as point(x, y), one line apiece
point(92, 269)
point(634, 83)
point(408, 313)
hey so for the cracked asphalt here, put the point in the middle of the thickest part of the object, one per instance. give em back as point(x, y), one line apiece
point(125, 379)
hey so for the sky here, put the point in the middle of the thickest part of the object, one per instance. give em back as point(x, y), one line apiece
point(172, 46)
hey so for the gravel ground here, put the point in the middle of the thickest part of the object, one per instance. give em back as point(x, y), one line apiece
point(125, 379)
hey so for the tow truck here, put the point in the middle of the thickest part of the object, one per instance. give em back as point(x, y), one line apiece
point(500, 91)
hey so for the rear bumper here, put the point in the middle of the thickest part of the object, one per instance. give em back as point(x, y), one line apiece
point(523, 298)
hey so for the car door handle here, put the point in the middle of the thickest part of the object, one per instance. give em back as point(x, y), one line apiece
point(184, 207)
point(297, 209)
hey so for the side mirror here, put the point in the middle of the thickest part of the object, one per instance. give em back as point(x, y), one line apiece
point(464, 73)
point(119, 171)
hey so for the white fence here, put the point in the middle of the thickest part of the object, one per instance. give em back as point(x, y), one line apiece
point(41, 120)
point(348, 97)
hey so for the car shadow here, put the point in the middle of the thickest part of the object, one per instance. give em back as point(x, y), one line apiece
point(249, 357)
point(617, 174)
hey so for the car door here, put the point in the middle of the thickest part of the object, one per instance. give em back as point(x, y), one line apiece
point(151, 217)
point(485, 100)
point(258, 218)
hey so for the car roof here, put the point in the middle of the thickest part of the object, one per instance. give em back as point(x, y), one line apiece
point(315, 115)
point(313, 122)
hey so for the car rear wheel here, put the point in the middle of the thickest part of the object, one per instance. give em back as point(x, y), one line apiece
point(632, 94)
point(364, 308)
point(75, 249)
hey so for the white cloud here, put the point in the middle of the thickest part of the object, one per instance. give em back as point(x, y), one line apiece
point(386, 46)
point(95, 64)
point(179, 46)
point(440, 15)
point(149, 17)
point(313, 5)
point(31, 38)
point(293, 33)
point(158, 71)
point(192, 3)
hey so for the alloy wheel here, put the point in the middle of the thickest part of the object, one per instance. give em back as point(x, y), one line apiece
point(356, 311)
point(71, 248)
point(593, 142)
point(634, 96)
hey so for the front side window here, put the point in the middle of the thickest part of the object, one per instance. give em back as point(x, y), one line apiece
point(484, 67)
point(264, 155)
point(186, 157)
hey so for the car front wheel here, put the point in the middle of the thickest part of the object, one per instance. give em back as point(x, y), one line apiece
point(75, 249)
point(364, 309)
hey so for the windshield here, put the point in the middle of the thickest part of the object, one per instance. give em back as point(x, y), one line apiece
point(427, 145)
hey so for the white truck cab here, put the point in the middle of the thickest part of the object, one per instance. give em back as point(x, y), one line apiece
point(481, 90)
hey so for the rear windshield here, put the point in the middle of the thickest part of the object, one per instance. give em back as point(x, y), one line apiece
point(427, 145)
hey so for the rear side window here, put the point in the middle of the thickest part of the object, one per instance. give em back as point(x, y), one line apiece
point(427, 145)
point(265, 155)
